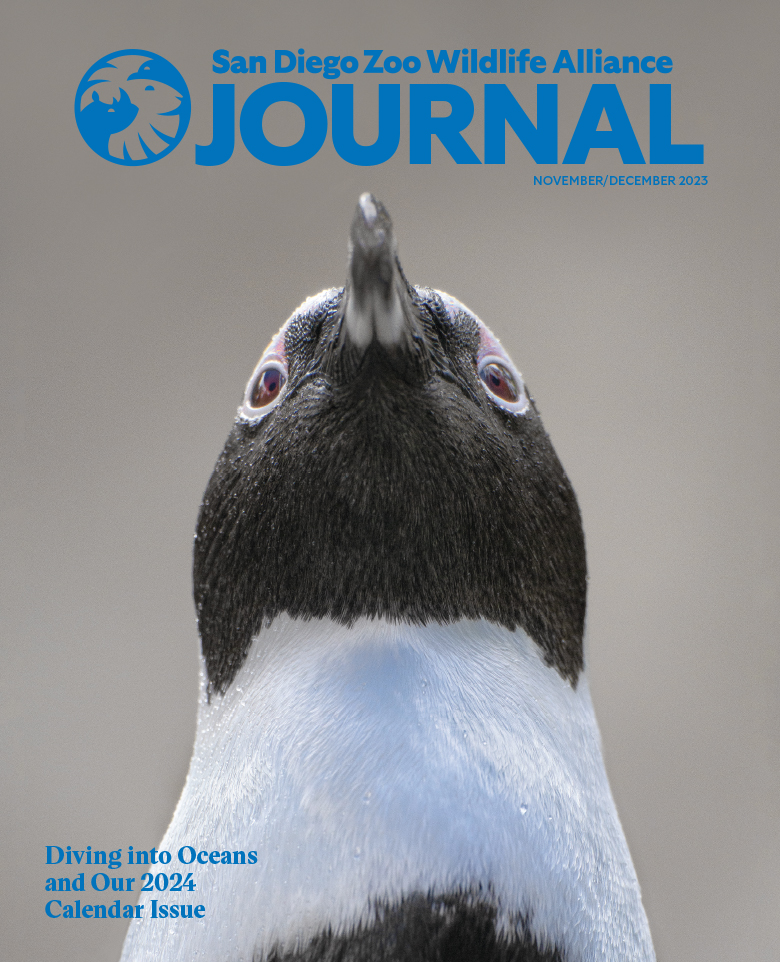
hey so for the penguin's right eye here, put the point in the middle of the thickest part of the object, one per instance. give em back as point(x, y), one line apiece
point(264, 389)
point(267, 387)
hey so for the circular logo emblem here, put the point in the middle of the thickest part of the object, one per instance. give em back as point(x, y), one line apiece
point(132, 107)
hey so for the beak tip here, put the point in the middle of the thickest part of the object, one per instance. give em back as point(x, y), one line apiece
point(367, 207)
point(372, 229)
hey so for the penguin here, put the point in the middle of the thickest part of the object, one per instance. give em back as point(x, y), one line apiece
point(396, 758)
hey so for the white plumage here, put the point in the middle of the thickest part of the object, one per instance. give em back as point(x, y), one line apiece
point(363, 763)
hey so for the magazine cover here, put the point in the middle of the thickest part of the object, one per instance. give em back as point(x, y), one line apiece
point(528, 254)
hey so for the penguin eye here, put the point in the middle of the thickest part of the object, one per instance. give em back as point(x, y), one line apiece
point(504, 385)
point(265, 388)
point(499, 381)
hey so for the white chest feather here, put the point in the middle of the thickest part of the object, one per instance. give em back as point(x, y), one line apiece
point(373, 762)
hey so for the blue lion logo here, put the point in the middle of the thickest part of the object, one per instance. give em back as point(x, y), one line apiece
point(132, 107)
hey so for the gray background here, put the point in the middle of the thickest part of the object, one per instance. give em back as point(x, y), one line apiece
point(136, 302)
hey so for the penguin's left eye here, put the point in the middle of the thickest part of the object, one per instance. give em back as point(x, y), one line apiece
point(499, 381)
point(504, 386)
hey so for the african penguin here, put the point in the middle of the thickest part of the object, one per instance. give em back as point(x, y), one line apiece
point(390, 583)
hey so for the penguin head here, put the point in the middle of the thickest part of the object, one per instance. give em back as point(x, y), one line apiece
point(387, 461)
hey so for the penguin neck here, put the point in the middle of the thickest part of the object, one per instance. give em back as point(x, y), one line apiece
point(382, 670)
point(435, 759)
point(379, 707)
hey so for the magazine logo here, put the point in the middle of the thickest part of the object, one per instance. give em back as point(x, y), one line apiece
point(132, 107)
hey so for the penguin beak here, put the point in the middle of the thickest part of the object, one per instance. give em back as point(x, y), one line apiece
point(377, 302)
